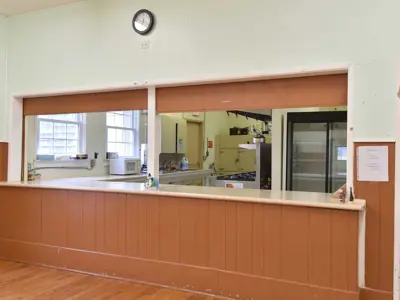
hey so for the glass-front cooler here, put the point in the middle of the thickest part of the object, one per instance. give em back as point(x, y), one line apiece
point(316, 151)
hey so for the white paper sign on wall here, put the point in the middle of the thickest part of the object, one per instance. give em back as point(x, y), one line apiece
point(373, 163)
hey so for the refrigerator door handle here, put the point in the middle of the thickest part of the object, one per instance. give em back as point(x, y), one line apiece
point(329, 142)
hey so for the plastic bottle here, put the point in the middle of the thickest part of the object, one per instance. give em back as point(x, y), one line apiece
point(184, 163)
point(351, 195)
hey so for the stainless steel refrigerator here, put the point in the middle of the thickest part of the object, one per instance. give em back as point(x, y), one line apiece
point(316, 151)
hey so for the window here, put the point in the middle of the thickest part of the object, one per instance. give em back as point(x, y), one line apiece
point(123, 133)
point(60, 135)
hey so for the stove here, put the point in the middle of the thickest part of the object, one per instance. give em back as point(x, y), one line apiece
point(258, 179)
point(249, 176)
point(246, 180)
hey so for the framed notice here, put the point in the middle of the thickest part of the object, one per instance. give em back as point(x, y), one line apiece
point(373, 163)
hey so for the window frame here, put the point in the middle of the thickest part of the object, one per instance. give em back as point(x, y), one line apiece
point(135, 129)
point(81, 131)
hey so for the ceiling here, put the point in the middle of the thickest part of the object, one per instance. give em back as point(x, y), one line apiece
point(11, 7)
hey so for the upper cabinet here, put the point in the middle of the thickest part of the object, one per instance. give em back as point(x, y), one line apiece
point(168, 136)
point(231, 158)
point(173, 135)
point(181, 136)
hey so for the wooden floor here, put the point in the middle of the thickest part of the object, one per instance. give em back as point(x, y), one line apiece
point(20, 281)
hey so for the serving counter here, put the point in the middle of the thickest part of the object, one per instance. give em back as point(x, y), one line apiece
point(241, 244)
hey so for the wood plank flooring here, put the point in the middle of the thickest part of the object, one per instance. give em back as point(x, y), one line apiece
point(20, 281)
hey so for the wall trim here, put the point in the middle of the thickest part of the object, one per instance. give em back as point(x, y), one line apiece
point(373, 140)
point(396, 269)
point(370, 294)
point(329, 69)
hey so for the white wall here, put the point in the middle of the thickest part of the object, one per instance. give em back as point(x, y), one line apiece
point(374, 88)
point(92, 43)
point(3, 78)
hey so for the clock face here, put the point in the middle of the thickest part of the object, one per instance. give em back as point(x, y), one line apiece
point(143, 21)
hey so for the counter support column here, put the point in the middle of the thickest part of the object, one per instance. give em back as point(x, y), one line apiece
point(153, 134)
point(3, 161)
point(277, 149)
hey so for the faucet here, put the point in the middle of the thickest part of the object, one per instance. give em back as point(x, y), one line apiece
point(169, 164)
point(164, 165)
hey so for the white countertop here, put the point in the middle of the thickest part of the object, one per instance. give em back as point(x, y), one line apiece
point(168, 175)
point(306, 199)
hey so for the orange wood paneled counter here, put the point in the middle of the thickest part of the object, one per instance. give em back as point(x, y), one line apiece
point(229, 244)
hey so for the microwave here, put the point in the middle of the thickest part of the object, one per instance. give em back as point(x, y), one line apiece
point(125, 166)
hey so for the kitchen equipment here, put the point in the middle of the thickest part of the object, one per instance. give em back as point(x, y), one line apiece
point(82, 156)
point(316, 151)
point(184, 163)
point(111, 155)
point(234, 185)
point(259, 138)
point(238, 131)
point(258, 179)
point(247, 180)
point(125, 166)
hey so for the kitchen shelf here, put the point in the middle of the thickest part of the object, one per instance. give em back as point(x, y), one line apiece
point(309, 160)
point(248, 146)
point(309, 142)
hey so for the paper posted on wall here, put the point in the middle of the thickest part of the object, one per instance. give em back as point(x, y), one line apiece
point(234, 185)
point(373, 163)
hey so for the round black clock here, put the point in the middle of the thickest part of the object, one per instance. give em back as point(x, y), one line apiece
point(143, 21)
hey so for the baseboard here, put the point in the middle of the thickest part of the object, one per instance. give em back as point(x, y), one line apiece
point(179, 276)
point(370, 294)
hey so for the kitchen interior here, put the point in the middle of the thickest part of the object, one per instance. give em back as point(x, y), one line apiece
point(295, 149)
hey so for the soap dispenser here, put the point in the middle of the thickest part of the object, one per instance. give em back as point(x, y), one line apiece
point(351, 199)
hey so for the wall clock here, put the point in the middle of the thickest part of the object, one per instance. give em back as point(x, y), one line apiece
point(143, 21)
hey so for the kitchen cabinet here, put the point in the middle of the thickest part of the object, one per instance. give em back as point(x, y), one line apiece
point(173, 135)
point(247, 160)
point(236, 161)
point(168, 134)
point(181, 136)
point(230, 158)
point(228, 161)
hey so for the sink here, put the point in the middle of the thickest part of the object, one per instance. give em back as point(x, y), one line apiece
point(175, 171)
point(167, 172)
